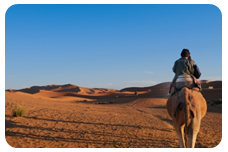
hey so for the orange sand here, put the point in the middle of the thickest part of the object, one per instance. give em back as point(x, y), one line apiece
point(73, 116)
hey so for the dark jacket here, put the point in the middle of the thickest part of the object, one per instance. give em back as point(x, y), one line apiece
point(182, 66)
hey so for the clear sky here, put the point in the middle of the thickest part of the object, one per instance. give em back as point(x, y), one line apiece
point(109, 46)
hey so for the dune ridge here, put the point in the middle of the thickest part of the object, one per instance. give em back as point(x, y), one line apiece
point(71, 92)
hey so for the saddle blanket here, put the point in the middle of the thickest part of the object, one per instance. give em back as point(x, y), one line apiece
point(184, 80)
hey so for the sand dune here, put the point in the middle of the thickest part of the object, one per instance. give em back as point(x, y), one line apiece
point(63, 88)
point(164, 85)
point(73, 116)
point(214, 84)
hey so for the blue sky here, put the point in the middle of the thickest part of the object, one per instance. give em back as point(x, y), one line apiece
point(110, 46)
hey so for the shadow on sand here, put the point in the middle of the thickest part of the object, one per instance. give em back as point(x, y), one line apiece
point(100, 137)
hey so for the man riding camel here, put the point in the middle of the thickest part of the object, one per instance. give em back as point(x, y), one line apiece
point(186, 72)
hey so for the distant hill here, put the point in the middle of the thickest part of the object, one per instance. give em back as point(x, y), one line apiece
point(214, 84)
point(164, 85)
point(84, 90)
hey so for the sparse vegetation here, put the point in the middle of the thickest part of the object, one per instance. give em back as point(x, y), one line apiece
point(19, 111)
point(215, 102)
point(102, 102)
point(113, 101)
point(219, 101)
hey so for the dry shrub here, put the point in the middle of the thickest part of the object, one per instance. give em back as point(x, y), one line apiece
point(19, 111)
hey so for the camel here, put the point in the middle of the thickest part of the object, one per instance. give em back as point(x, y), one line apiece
point(187, 107)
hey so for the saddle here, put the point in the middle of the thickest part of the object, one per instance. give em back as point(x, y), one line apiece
point(185, 80)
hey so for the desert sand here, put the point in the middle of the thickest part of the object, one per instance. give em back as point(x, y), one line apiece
point(73, 116)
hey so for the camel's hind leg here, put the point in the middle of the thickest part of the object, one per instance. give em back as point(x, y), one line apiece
point(192, 132)
point(191, 140)
point(180, 133)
